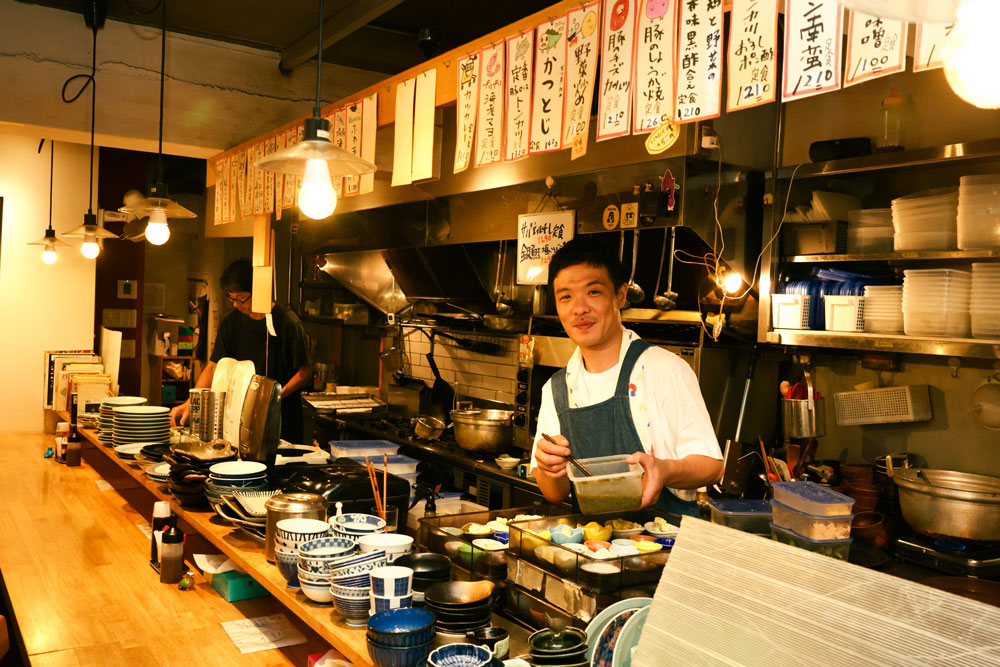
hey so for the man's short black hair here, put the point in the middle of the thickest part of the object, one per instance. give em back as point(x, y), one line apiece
point(238, 276)
point(589, 251)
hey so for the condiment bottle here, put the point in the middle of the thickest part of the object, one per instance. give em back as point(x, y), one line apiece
point(892, 123)
point(172, 554)
point(161, 520)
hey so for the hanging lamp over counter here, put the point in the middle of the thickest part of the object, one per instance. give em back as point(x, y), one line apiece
point(50, 240)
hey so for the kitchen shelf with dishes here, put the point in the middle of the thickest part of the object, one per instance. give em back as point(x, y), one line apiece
point(170, 379)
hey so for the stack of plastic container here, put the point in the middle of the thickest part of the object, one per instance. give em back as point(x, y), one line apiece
point(979, 212)
point(812, 517)
point(869, 230)
point(926, 220)
point(985, 314)
point(884, 309)
point(936, 302)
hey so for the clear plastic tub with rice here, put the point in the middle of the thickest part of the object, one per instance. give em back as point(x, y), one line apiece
point(814, 527)
point(839, 549)
point(615, 486)
point(812, 498)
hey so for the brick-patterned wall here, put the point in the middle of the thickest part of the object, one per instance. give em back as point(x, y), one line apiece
point(470, 373)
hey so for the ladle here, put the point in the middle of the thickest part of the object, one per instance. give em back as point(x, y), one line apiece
point(667, 300)
point(502, 307)
point(635, 294)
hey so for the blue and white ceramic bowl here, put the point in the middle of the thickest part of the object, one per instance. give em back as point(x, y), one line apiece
point(385, 603)
point(353, 592)
point(392, 580)
point(353, 581)
point(399, 628)
point(364, 558)
point(328, 548)
point(283, 555)
point(318, 593)
point(459, 655)
point(290, 572)
point(412, 656)
point(301, 530)
point(354, 610)
point(358, 524)
point(313, 578)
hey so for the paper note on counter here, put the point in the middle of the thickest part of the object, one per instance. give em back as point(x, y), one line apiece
point(214, 563)
point(263, 633)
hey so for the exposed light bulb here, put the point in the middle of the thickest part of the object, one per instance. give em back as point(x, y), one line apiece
point(90, 249)
point(157, 230)
point(317, 198)
point(49, 254)
point(733, 282)
point(971, 54)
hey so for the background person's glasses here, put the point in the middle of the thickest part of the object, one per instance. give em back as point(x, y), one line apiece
point(235, 301)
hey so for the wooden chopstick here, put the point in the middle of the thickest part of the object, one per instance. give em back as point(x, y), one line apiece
point(385, 484)
point(571, 459)
point(374, 482)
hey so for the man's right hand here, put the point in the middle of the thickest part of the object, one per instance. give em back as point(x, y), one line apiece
point(551, 457)
point(179, 413)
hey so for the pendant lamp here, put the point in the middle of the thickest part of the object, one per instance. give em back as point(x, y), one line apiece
point(315, 159)
point(90, 231)
point(158, 206)
point(50, 240)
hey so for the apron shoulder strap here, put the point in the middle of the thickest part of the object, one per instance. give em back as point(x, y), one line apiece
point(560, 394)
point(635, 350)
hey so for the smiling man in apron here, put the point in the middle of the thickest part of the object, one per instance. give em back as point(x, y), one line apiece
point(618, 394)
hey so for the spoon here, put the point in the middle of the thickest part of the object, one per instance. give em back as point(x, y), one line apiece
point(582, 468)
point(667, 300)
point(635, 293)
point(502, 307)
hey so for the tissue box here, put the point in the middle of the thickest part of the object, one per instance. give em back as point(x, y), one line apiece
point(235, 586)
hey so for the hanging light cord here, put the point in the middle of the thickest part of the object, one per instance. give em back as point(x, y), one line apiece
point(88, 80)
point(163, 61)
point(52, 163)
point(317, 111)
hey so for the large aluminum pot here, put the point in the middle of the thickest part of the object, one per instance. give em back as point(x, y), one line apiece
point(290, 506)
point(948, 503)
point(483, 430)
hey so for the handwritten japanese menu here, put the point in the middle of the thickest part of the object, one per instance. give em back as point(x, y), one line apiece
point(539, 235)
point(489, 125)
point(614, 117)
point(279, 179)
point(338, 126)
point(233, 164)
point(219, 216)
point(699, 63)
point(258, 180)
point(655, 63)
point(928, 50)
point(582, 43)
point(241, 182)
point(752, 40)
point(467, 95)
point(269, 180)
point(875, 47)
point(369, 128)
point(812, 48)
point(352, 142)
point(290, 192)
point(519, 70)
point(547, 103)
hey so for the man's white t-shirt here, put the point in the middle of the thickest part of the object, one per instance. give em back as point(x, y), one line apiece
point(664, 397)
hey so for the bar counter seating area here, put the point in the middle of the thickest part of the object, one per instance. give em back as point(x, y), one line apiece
point(548, 333)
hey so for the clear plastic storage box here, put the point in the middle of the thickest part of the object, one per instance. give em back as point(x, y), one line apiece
point(750, 516)
point(812, 498)
point(839, 549)
point(615, 486)
point(812, 526)
point(350, 448)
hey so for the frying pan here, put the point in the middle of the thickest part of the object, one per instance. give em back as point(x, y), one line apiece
point(442, 393)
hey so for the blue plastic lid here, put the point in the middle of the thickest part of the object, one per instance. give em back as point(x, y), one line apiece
point(814, 493)
point(809, 540)
point(741, 507)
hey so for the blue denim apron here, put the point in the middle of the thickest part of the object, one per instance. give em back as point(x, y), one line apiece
point(607, 429)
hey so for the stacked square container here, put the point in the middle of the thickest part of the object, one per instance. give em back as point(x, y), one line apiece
point(926, 220)
point(869, 230)
point(884, 309)
point(983, 308)
point(813, 517)
point(979, 212)
point(936, 302)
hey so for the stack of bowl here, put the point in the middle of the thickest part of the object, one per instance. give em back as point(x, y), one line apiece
point(229, 476)
point(936, 302)
point(289, 536)
point(353, 526)
point(926, 220)
point(985, 295)
point(884, 309)
point(392, 588)
point(428, 569)
point(568, 647)
point(460, 655)
point(979, 211)
point(459, 606)
point(393, 544)
point(350, 583)
point(400, 637)
point(314, 567)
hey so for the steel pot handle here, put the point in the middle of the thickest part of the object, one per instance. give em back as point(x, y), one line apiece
point(809, 391)
point(464, 405)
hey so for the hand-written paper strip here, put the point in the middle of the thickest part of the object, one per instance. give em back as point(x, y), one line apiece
point(550, 69)
point(699, 63)
point(539, 235)
point(752, 50)
point(423, 125)
point(352, 143)
point(338, 128)
point(219, 216)
point(583, 41)
point(655, 55)
point(812, 48)
point(519, 69)
point(489, 122)
point(465, 110)
point(928, 50)
point(875, 47)
point(369, 128)
point(614, 117)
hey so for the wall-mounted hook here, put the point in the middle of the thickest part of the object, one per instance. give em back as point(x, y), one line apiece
point(954, 363)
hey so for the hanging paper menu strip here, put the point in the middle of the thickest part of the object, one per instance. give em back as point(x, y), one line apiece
point(338, 125)
point(928, 50)
point(279, 180)
point(519, 68)
point(423, 125)
point(218, 215)
point(269, 180)
point(753, 37)
point(539, 235)
point(467, 94)
point(369, 127)
point(227, 212)
point(614, 117)
point(547, 100)
point(812, 48)
point(489, 122)
point(699, 63)
point(233, 164)
point(353, 144)
point(258, 180)
point(583, 37)
point(241, 181)
point(655, 53)
point(402, 148)
point(290, 192)
point(875, 47)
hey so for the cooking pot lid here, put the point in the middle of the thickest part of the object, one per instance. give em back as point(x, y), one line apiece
point(295, 501)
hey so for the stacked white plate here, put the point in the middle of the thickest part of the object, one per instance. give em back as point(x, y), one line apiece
point(141, 423)
point(936, 302)
point(979, 212)
point(159, 472)
point(869, 230)
point(983, 304)
point(884, 309)
point(237, 474)
point(106, 421)
point(926, 220)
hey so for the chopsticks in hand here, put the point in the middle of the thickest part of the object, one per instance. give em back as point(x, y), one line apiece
point(579, 466)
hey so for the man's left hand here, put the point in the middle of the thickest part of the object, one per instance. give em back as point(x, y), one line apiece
point(657, 471)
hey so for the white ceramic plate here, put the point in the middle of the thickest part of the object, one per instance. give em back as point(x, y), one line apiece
point(123, 400)
point(130, 449)
point(629, 638)
point(239, 382)
point(596, 627)
point(651, 529)
point(223, 371)
point(159, 470)
point(238, 469)
point(142, 410)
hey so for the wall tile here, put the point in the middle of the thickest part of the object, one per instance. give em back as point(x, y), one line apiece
point(498, 384)
point(476, 392)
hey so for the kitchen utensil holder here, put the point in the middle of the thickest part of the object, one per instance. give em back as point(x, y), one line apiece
point(907, 403)
point(804, 418)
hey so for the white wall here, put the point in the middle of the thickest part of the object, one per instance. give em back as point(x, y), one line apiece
point(45, 307)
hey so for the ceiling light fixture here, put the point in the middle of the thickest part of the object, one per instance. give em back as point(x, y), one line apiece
point(971, 54)
point(158, 205)
point(50, 241)
point(315, 159)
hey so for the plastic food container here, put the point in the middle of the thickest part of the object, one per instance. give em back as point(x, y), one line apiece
point(398, 464)
point(354, 448)
point(811, 526)
point(750, 516)
point(812, 498)
point(941, 240)
point(839, 549)
point(790, 311)
point(869, 240)
point(615, 486)
point(844, 313)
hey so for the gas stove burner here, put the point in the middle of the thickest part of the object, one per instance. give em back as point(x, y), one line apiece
point(965, 558)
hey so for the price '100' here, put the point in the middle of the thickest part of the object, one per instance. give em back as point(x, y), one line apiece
point(873, 64)
point(756, 90)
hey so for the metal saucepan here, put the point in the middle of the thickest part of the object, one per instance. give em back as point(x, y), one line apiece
point(948, 503)
point(482, 430)
point(428, 428)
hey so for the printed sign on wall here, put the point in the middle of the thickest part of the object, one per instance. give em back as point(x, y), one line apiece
point(699, 61)
point(519, 68)
point(614, 108)
point(812, 48)
point(547, 102)
point(539, 235)
point(467, 98)
point(655, 54)
point(583, 27)
point(489, 124)
point(875, 47)
point(752, 41)
point(928, 51)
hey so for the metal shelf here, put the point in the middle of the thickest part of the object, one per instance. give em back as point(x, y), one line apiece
point(902, 256)
point(948, 347)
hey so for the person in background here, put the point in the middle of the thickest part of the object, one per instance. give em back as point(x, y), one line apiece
point(243, 336)
point(618, 394)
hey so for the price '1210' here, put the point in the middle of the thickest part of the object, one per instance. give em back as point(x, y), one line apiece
point(756, 90)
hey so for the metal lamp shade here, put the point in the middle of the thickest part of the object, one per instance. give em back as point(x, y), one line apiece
point(145, 206)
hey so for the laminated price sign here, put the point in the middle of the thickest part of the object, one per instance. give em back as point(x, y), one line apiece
point(489, 126)
point(752, 41)
point(583, 40)
point(614, 117)
point(699, 64)
point(812, 48)
point(539, 235)
point(519, 70)
point(550, 68)
point(655, 57)
point(875, 47)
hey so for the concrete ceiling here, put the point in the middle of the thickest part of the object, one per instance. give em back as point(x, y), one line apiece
point(375, 35)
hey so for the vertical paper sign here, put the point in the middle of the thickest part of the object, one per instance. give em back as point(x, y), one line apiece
point(338, 126)
point(258, 180)
point(219, 168)
point(518, 126)
point(402, 147)
point(467, 94)
point(241, 181)
point(279, 179)
point(369, 128)
point(699, 63)
point(655, 54)
point(547, 102)
point(269, 180)
point(423, 125)
point(583, 40)
point(928, 51)
point(227, 212)
point(875, 47)
point(539, 235)
point(288, 198)
point(489, 124)
point(352, 143)
point(234, 166)
point(812, 48)
point(614, 109)
point(752, 40)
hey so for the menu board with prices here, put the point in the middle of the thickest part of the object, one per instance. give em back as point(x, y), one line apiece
point(655, 63)
point(752, 40)
point(812, 48)
point(539, 236)
point(875, 47)
point(614, 108)
point(338, 126)
point(928, 50)
point(467, 97)
point(489, 121)
point(699, 62)
point(547, 102)
point(352, 143)
point(369, 129)
point(582, 43)
point(269, 180)
point(519, 70)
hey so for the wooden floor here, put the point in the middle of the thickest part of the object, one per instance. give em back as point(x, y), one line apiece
point(76, 568)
